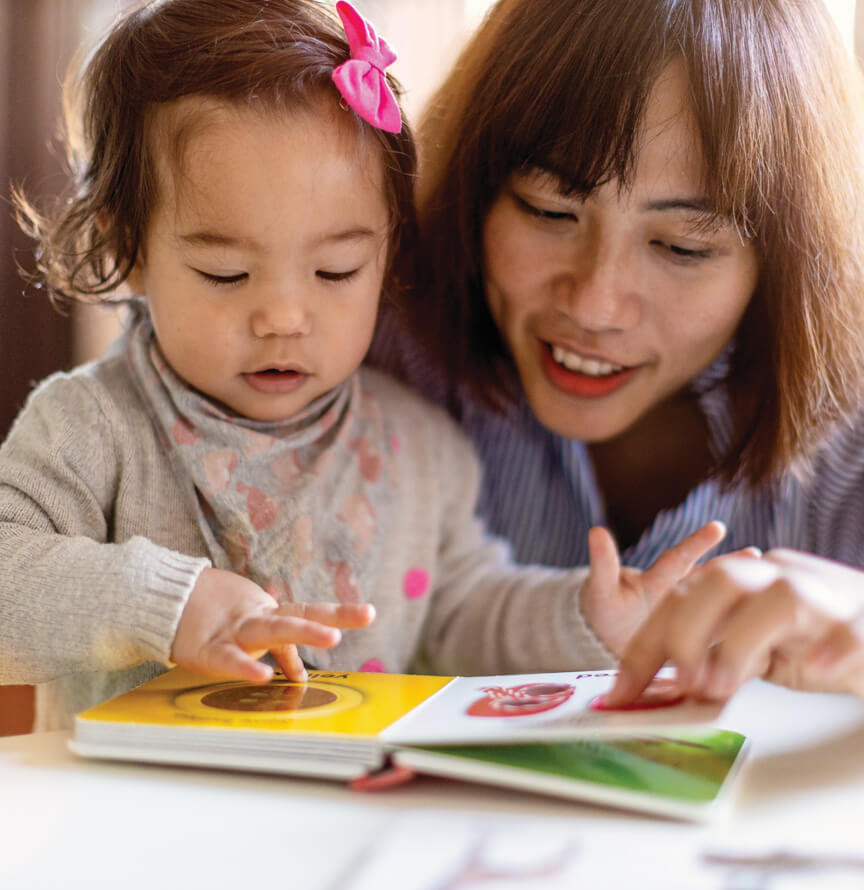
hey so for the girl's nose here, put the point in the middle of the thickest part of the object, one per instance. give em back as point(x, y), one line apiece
point(281, 315)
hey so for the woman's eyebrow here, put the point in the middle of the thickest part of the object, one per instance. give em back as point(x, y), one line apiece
point(699, 212)
point(696, 206)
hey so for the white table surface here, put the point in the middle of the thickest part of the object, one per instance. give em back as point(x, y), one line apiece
point(68, 822)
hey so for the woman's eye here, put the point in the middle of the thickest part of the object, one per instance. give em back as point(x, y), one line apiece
point(541, 213)
point(223, 280)
point(327, 275)
point(684, 254)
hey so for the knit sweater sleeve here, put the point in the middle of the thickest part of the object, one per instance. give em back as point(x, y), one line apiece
point(490, 615)
point(72, 598)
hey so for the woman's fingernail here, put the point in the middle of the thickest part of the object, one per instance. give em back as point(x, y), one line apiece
point(722, 682)
point(698, 678)
point(620, 692)
point(825, 658)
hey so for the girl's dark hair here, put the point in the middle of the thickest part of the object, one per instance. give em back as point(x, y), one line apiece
point(562, 85)
point(267, 55)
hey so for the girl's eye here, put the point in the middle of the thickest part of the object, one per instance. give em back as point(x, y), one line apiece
point(684, 255)
point(223, 280)
point(336, 276)
point(533, 210)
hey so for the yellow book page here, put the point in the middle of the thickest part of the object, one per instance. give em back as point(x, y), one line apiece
point(330, 703)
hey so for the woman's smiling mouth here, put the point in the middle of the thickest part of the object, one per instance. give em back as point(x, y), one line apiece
point(580, 376)
point(590, 366)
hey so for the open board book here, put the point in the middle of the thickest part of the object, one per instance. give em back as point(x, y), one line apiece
point(538, 732)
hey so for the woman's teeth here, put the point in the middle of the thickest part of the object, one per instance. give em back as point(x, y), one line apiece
point(590, 366)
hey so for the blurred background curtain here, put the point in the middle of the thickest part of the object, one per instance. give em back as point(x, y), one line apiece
point(37, 40)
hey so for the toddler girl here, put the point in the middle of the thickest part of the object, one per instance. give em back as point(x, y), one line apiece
point(225, 481)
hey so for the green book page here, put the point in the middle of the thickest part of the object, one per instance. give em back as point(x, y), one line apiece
point(690, 768)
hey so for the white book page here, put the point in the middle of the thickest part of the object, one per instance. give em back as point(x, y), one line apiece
point(541, 707)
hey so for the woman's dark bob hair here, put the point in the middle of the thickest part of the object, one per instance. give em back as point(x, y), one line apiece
point(561, 85)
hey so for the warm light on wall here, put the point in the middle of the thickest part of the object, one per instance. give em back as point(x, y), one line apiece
point(844, 14)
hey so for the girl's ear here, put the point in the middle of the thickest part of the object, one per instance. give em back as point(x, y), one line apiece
point(134, 280)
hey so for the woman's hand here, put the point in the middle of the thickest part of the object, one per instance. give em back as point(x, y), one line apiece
point(616, 600)
point(789, 617)
point(229, 622)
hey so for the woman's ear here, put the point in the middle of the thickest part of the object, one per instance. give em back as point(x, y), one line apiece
point(135, 279)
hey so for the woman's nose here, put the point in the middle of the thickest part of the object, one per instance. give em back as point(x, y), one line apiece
point(597, 289)
point(281, 314)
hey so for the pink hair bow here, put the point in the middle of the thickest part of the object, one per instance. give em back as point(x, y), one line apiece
point(361, 79)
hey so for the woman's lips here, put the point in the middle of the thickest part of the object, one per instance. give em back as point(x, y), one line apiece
point(579, 384)
point(273, 382)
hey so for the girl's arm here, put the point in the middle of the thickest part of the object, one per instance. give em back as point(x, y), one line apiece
point(491, 616)
point(71, 600)
point(84, 587)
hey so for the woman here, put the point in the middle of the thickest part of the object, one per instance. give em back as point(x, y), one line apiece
point(642, 295)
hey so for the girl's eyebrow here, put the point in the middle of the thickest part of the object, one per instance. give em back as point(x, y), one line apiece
point(219, 239)
point(215, 239)
point(355, 234)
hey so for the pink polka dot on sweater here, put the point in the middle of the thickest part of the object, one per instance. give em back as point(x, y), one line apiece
point(415, 583)
point(373, 666)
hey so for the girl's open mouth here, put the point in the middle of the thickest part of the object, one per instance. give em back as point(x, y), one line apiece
point(276, 381)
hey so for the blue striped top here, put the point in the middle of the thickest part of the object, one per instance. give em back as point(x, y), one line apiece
point(540, 492)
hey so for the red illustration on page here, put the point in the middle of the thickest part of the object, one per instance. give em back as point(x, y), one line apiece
point(519, 701)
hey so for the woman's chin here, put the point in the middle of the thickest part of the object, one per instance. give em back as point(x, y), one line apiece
point(595, 418)
point(587, 423)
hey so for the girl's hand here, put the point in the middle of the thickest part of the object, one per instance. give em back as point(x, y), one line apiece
point(229, 622)
point(790, 617)
point(616, 600)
